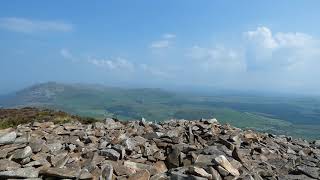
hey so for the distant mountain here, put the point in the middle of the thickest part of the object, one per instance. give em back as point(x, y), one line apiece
point(291, 116)
point(73, 97)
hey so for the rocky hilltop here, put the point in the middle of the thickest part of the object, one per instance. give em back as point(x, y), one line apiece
point(141, 150)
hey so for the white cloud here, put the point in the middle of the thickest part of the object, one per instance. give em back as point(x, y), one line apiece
point(265, 60)
point(160, 44)
point(217, 59)
point(169, 36)
point(119, 64)
point(154, 71)
point(65, 53)
point(262, 37)
point(267, 51)
point(262, 60)
point(165, 42)
point(30, 26)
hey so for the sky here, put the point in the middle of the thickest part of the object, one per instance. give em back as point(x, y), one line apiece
point(238, 45)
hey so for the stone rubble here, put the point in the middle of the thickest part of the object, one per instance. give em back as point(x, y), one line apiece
point(141, 150)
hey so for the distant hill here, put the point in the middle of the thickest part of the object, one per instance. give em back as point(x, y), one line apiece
point(47, 94)
point(281, 115)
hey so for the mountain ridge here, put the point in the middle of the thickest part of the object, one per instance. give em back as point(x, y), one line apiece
point(294, 117)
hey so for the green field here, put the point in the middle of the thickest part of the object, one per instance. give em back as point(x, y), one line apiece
point(295, 116)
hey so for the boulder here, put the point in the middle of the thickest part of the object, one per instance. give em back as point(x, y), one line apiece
point(160, 167)
point(223, 162)
point(110, 154)
point(140, 175)
point(214, 174)
point(60, 172)
point(7, 165)
point(107, 172)
point(7, 137)
point(22, 153)
point(28, 172)
point(199, 172)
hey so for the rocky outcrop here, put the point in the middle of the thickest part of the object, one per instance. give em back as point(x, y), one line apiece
point(141, 150)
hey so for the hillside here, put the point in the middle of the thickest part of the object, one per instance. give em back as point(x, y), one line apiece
point(295, 116)
point(142, 150)
point(14, 117)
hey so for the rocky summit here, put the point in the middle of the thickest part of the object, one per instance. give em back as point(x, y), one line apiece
point(141, 150)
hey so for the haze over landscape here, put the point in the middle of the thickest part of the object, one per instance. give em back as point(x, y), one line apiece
point(251, 64)
point(265, 46)
point(160, 90)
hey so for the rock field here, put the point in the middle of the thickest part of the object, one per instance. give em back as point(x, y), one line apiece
point(141, 150)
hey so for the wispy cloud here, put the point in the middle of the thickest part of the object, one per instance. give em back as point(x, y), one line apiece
point(30, 26)
point(168, 36)
point(217, 59)
point(160, 44)
point(118, 63)
point(154, 71)
point(127, 67)
point(66, 54)
point(165, 41)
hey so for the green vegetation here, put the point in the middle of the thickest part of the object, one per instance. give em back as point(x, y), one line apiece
point(296, 116)
point(14, 117)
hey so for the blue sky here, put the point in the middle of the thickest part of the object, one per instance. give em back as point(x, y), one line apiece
point(240, 45)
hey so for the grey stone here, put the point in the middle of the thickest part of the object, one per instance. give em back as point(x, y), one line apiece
point(22, 153)
point(215, 174)
point(107, 172)
point(317, 143)
point(112, 124)
point(120, 149)
point(199, 172)
point(54, 148)
point(7, 137)
point(28, 172)
point(309, 171)
point(222, 161)
point(60, 172)
point(111, 154)
point(7, 165)
point(36, 144)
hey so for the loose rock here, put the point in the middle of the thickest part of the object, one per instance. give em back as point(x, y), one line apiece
point(174, 149)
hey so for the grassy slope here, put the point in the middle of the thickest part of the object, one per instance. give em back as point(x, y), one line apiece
point(14, 117)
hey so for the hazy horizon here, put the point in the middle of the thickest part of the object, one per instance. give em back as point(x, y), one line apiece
point(246, 46)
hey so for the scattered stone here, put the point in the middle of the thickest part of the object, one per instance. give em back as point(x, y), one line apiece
point(140, 166)
point(60, 172)
point(22, 153)
point(85, 174)
point(36, 144)
point(199, 172)
point(160, 167)
point(29, 172)
point(107, 172)
point(54, 147)
point(173, 158)
point(110, 154)
point(120, 149)
point(140, 150)
point(317, 144)
point(7, 137)
point(140, 175)
point(223, 162)
point(309, 171)
point(112, 124)
point(7, 165)
point(215, 174)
